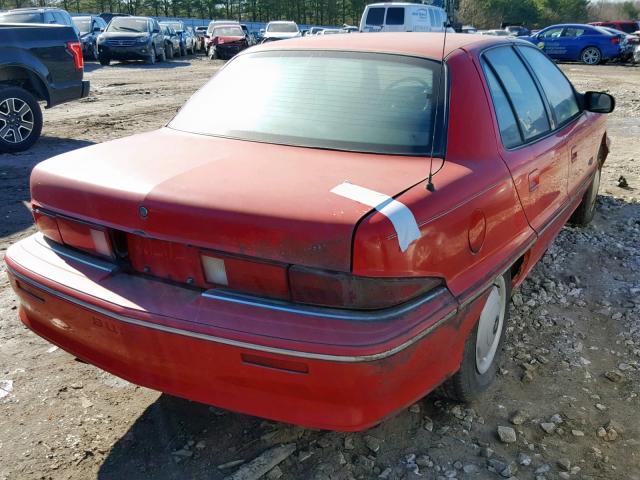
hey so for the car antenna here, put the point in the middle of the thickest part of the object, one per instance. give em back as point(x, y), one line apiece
point(430, 186)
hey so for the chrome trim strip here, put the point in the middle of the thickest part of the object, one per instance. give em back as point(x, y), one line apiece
point(236, 343)
point(332, 313)
point(73, 255)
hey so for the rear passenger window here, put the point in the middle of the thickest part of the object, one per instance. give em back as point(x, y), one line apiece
point(395, 16)
point(375, 16)
point(556, 87)
point(506, 121)
point(522, 91)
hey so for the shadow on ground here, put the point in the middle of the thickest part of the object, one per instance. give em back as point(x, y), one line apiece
point(178, 439)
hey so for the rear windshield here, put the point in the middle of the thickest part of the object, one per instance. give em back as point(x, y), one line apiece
point(21, 17)
point(366, 102)
point(228, 32)
point(282, 28)
point(126, 24)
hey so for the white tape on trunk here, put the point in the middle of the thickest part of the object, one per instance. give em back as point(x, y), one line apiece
point(398, 213)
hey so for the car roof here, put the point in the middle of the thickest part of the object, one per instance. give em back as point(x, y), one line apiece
point(32, 9)
point(419, 44)
point(282, 21)
point(400, 4)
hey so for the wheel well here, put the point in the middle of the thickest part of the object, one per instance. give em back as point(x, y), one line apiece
point(603, 152)
point(516, 269)
point(24, 78)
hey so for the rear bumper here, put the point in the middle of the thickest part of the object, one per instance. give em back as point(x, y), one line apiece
point(330, 372)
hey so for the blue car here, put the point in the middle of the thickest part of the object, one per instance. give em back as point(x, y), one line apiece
point(577, 42)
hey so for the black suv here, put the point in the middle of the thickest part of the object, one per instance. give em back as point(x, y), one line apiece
point(131, 38)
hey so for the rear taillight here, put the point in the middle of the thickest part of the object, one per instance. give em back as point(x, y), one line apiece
point(76, 51)
point(615, 40)
point(87, 237)
point(246, 276)
point(343, 290)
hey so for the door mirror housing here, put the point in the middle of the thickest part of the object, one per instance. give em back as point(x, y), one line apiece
point(599, 102)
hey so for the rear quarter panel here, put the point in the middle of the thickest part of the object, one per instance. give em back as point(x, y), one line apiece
point(472, 227)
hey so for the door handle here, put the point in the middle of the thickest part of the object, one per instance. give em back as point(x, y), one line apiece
point(534, 180)
point(574, 154)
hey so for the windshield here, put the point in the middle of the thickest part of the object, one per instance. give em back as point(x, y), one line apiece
point(228, 32)
point(83, 24)
point(127, 24)
point(21, 17)
point(366, 102)
point(282, 28)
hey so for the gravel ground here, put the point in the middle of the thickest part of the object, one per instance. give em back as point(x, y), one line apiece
point(565, 405)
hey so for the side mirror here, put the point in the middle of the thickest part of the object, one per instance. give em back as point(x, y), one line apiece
point(599, 102)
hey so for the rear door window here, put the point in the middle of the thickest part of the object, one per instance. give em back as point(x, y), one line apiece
point(375, 16)
point(395, 16)
point(504, 114)
point(521, 90)
point(555, 85)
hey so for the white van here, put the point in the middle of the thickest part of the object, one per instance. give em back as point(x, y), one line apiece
point(402, 17)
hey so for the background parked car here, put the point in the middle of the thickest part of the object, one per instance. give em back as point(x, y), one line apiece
point(280, 30)
point(250, 38)
point(496, 32)
point(38, 63)
point(185, 37)
point(171, 41)
point(402, 17)
point(90, 27)
point(55, 16)
point(517, 30)
point(132, 38)
point(627, 44)
point(201, 33)
point(226, 41)
point(627, 26)
point(578, 42)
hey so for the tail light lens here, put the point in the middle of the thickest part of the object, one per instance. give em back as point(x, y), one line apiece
point(343, 290)
point(76, 51)
point(615, 40)
point(246, 276)
point(90, 238)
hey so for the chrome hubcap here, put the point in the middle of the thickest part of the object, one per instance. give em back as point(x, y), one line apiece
point(490, 326)
point(16, 120)
point(591, 56)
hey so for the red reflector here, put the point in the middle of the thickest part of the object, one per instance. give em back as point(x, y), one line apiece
point(615, 40)
point(288, 365)
point(76, 51)
point(343, 290)
point(90, 238)
point(47, 225)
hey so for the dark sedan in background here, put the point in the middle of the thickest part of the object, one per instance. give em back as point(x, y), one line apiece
point(132, 38)
point(90, 27)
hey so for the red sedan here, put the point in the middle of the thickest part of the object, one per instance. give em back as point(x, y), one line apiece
point(299, 262)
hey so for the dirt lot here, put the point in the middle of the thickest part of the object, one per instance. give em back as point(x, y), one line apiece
point(569, 383)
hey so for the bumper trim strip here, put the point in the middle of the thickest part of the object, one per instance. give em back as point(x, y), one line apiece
point(235, 343)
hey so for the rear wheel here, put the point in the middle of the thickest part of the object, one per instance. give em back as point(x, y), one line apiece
point(483, 348)
point(587, 208)
point(20, 119)
point(591, 56)
point(168, 51)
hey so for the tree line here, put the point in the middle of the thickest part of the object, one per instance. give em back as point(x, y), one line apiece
point(480, 13)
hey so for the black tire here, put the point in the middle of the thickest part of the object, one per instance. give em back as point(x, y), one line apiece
point(95, 56)
point(20, 119)
point(469, 382)
point(104, 61)
point(151, 59)
point(587, 208)
point(168, 52)
point(591, 56)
